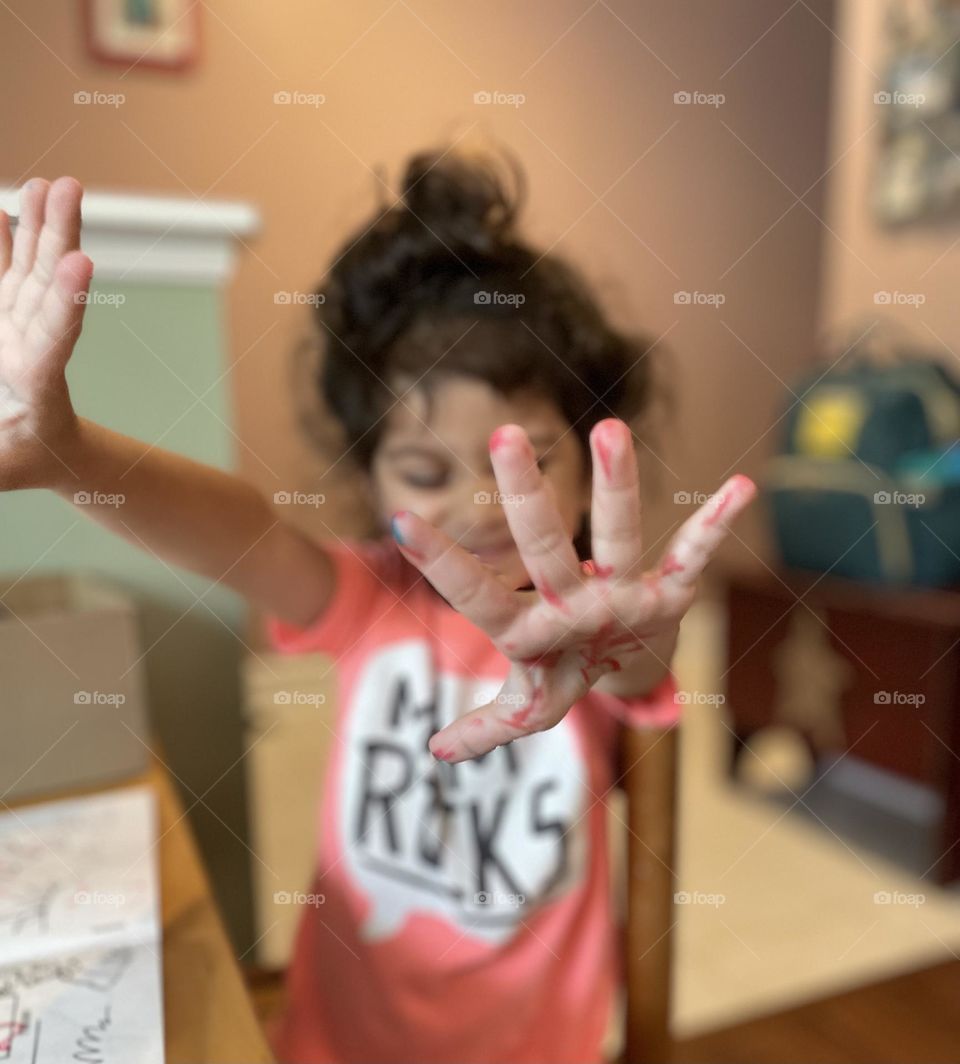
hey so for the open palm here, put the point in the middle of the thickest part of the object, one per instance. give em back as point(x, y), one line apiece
point(43, 280)
point(582, 620)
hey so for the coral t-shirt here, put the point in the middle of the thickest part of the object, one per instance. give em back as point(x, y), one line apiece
point(462, 912)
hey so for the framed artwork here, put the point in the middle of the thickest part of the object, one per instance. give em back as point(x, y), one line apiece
point(917, 175)
point(163, 34)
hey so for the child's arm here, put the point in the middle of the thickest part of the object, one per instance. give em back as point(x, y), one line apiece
point(183, 512)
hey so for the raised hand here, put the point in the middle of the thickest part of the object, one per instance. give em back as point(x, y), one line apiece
point(44, 278)
point(582, 621)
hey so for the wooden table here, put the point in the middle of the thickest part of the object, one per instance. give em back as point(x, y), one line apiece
point(851, 667)
point(208, 1016)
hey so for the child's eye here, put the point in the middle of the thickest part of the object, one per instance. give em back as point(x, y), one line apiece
point(426, 483)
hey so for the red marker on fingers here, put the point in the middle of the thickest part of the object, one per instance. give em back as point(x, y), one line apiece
point(605, 436)
point(737, 487)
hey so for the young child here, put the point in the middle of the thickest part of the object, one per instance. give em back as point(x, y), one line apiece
point(488, 648)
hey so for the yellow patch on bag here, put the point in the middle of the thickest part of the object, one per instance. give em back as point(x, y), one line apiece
point(829, 423)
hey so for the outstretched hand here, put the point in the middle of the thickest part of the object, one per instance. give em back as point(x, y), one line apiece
point(582, 621)
point(44, 279)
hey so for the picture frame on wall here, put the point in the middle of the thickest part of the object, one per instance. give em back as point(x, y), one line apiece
point(160, 34)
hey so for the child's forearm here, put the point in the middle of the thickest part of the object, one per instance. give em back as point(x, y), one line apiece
point(194, 516)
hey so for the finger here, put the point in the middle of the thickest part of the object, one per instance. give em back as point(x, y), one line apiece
point(700, 535)
point(54, 328)
point(535, 523)
point(29, 221)
point(59, 234)
point(615, 532)
point(514, 713)
point(6, 242)
point(33, 198)
point(466, 583)
point(61, 225)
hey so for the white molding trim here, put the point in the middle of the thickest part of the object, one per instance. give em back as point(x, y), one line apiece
point(158, 238)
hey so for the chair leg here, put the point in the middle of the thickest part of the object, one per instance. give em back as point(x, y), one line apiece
point(650, 779)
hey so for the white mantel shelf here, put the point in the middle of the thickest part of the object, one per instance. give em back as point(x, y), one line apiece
point(170, 240)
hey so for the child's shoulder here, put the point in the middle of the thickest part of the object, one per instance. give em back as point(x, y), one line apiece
point(368, 576)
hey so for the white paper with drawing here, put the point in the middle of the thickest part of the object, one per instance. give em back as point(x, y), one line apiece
point(80, 942)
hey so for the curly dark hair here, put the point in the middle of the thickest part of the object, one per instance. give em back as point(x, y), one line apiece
point(439, 283)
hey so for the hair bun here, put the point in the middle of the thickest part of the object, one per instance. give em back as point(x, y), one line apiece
point(463, 200)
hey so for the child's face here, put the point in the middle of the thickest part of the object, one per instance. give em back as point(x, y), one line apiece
point(439, 467)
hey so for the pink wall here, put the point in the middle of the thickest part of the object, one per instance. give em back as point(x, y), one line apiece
point(700, 198)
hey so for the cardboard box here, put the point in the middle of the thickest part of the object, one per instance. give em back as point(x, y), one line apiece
point(72, 694)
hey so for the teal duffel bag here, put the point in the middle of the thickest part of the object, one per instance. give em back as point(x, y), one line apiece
point(867, 484)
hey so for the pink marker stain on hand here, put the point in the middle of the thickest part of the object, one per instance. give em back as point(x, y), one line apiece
point(498, 438)
point(670, 565)
point(596, 653)
point(605, 436)
point(739, 486)
point(551, 596)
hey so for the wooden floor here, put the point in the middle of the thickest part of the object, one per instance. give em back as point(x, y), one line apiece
point(912, 1019)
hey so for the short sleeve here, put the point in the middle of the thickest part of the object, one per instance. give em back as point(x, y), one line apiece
point(658, 708)
point(365, 574)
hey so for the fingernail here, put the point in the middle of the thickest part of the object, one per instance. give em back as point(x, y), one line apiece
point(499, 437)
point(606, 436)
point(394, 528)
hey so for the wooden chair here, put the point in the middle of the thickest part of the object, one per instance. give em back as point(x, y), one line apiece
point(648, 776)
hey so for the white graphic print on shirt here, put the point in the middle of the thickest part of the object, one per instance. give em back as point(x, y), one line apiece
point(477, 844)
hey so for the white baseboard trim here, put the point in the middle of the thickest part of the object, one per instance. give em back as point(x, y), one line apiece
point(174, 240)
